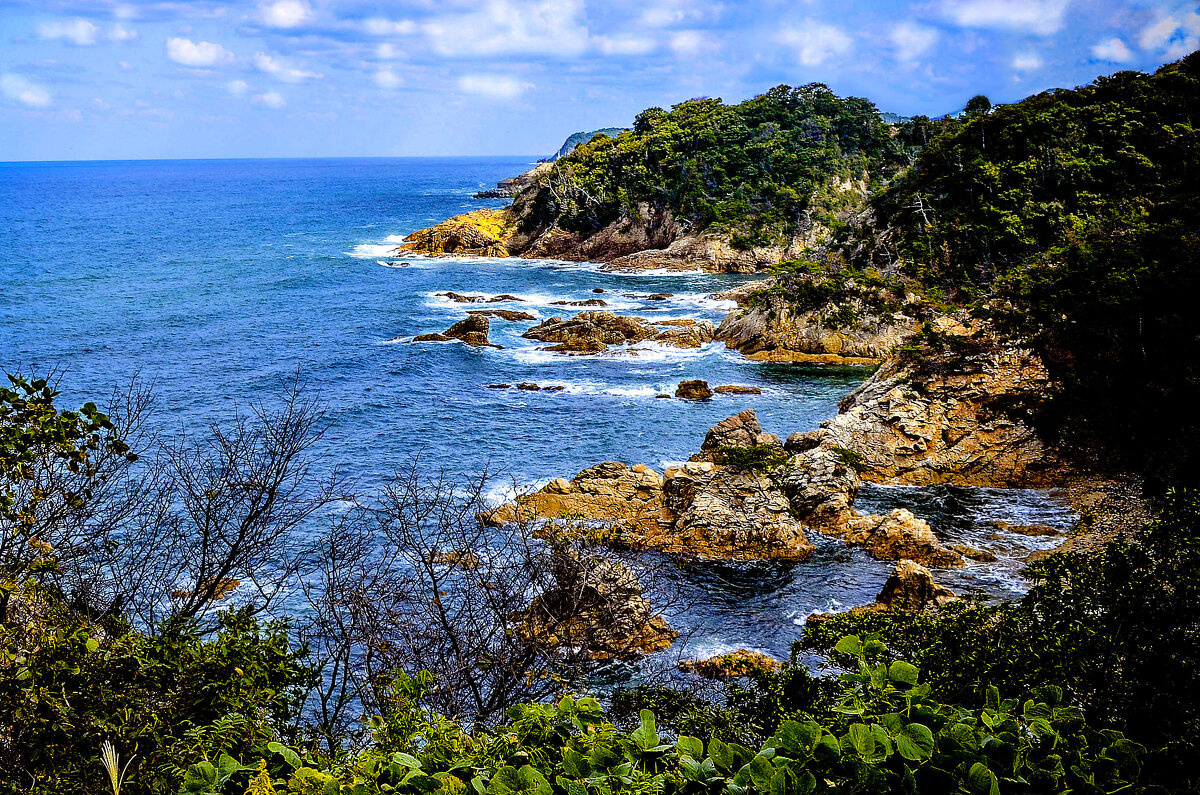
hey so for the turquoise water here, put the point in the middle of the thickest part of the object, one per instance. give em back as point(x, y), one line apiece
point(218, 280)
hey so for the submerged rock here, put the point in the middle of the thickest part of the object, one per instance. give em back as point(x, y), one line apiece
point(737, 389)
point(588, 302)
point(435, 337)
point(511, 315)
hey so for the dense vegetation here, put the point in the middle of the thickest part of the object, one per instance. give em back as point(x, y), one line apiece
point(1071, 219)
point(752, 169)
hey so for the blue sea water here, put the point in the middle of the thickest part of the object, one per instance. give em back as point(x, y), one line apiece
point(218, 281)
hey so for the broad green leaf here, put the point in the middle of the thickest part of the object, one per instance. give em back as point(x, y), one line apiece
point(915, 742)
point(982, 781)
point(903, 673)
point(850, 644)
point(691, 746)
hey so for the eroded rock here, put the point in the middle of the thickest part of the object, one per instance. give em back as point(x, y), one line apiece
point(733, 665)
point(693, 390)
point(472, 331)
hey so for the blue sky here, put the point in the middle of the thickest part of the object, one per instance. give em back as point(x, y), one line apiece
point(99, 79)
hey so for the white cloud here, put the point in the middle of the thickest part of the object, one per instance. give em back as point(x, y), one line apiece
point(690, 42)
point(198, 54)
point(125, 66)
point(24, 91)
point(505, 27)
point(625, 44)
point(378, 26)
point(912, 41)
point(239, 88)
point(74, 31)
point(387, 79)
point(1155, 35)
point(386, 51)
point(495, 86)
point(272, 99)
point(120, 33)
point(275, 67)
point(1040, 17)
point(1027, 62)
point(815, 42)
point(1112, 50)
point(285, 13)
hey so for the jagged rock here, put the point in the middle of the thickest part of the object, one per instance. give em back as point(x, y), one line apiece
point(821, 489)
point(588, 302)
point(596, 604)
point(478, 233)
point(736, 389)
point(692, 335)
point(971, 553)
point(911, 588)
point(528, 387)
point(431, 338)
point(608, 492)
point(511, 315)
point(473, 331)
point(732, 665)
point(802, 442)
point(585, 345)
point(693, 390)
point(679, 321)
point(740, 430)
point(730, 513)
point(602, 327)
point(949, 420)
point(1027, 529)
point(900, 535)
point(510, 187)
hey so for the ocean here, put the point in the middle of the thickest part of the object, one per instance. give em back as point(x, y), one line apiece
point(218, 281)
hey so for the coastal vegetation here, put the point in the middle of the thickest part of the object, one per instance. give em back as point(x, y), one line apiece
point(160, 610)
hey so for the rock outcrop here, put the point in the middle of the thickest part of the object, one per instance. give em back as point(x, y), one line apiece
point(510, 187)
point(480, 233)
point(472, 331)
point(740, 430)
point(950, 420)
point(597, 605)
point(511, 315)
point(910, 588)
point(767, 326)
point(693, 390)
point(594, 332)
point(732, 665)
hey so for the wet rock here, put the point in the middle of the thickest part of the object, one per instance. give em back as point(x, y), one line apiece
point(649, 296)
point(740, 430)
point(599, 290)
point(511, 315)
point(900, 535)
point(971, 553)
point(693, 335)
point(555, 388)
point(431, 338)
point(737, 389)
point(1027, 529)
point(473, 331)
point(528, 386)
point(662, 397)
point(693, 390)
point(586, 345)
point(499, 386)
point(733, 665)
point(502, 297)
point(463, 299)
point(597, 605)
point(911, 588)
point(588, 302)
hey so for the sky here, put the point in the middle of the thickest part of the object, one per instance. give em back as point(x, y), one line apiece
point(120, 79)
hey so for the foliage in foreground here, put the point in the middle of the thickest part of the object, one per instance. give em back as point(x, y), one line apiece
point(884, 734)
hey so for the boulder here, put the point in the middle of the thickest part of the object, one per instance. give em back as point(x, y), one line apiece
point(693, 390)
point(911, 588)
point(511, 315)
point(900, 535)
point(431, 338)
point(583, 345)
point(730, 514)
point(603, 327)
point(737, 389)
point(692, 335)
point(733, 665)
point(473, 331)
point(596, 605)
point(740, 430)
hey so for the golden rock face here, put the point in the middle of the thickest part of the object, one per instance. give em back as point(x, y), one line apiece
point(479, 233)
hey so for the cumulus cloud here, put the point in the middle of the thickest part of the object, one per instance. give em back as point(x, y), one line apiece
point(815, 42)
point(912, 41)
point(1027, 62)
point(271, 99)
point(379, 26)
point(24, 91)
point(495, 86)
point(120, 33)
point(1040, 17)
point(387, 79)
point(1113, 50)
point(285, 13)
point(1172, 36)
point(75, 31)
point(238, 88)
point(625, 44)
point(277, 68)
point(504, 27)
point(198, 54)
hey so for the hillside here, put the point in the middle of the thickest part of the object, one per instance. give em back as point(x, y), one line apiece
point(575, 140)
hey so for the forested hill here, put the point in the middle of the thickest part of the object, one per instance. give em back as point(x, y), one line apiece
point(1073, 219)
point(751, 168)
